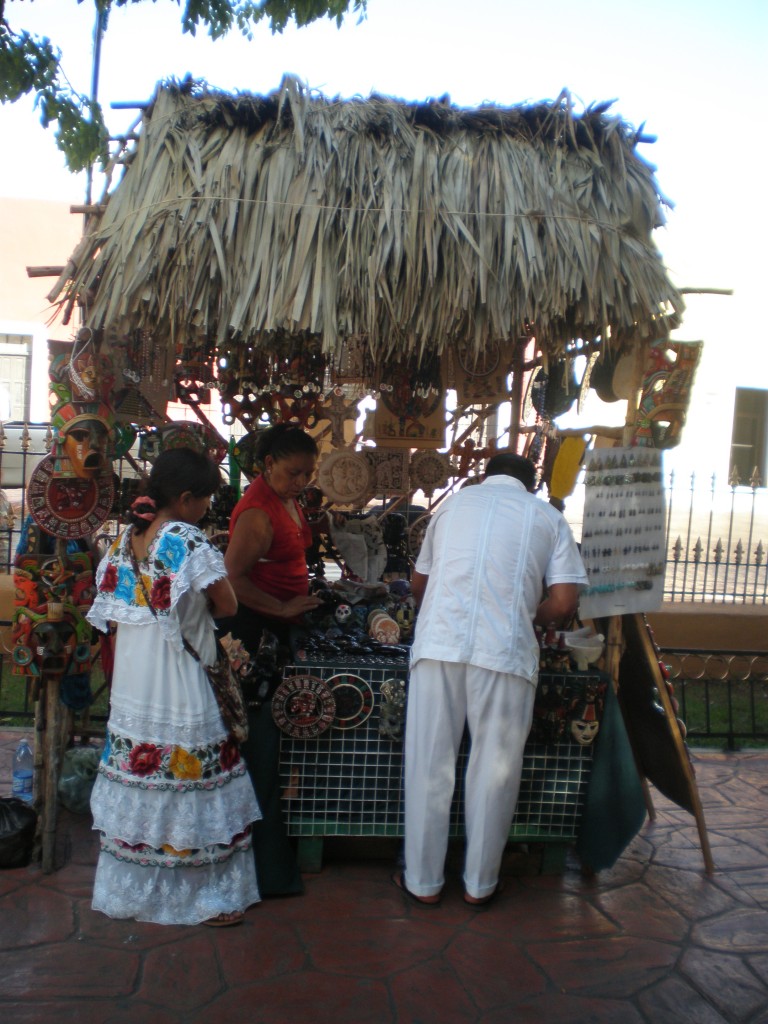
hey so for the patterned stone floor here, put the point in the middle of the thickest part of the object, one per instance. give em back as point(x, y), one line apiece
point(653, 939)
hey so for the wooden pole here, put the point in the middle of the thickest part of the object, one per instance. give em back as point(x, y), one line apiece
point(37, 785)
point(518, 359)
point(51, 753)
point(615, 627)
point(50, 271)
point(96, 209)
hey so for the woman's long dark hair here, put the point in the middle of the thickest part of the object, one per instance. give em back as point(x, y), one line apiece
point(174, 472)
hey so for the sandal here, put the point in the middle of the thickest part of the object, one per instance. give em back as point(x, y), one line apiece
point(427, 901)
point(480, 902)
point(225, 920)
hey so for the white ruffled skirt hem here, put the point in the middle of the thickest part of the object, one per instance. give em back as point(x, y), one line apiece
point(179, 895)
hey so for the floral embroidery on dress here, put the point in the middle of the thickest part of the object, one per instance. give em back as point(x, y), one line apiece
point(169, 857)
point(171, 551)
point(125, 589)
point(166, 574)
point(184, 765)
point(170, 767)
point(160, 596)
point(109, 582)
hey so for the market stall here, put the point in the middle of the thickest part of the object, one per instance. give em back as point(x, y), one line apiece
point(416, 285)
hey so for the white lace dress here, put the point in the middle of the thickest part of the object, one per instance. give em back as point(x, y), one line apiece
point(172, 800)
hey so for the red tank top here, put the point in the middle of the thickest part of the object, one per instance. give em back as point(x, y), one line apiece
point(282, 573)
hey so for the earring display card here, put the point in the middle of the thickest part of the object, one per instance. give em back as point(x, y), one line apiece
point(623, 536)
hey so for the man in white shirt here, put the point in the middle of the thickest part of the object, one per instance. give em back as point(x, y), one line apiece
point(487, 555)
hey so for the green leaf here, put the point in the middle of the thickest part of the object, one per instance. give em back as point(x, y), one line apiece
point(32, 64)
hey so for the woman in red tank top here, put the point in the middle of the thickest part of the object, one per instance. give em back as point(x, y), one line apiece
point(268, 534)
point(267, 567)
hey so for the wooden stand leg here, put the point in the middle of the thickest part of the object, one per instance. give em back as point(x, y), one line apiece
point(54, 713)
point(553, 858)
point(37, 785)
point(698, 813)
point(648, 799)
point(309, 854)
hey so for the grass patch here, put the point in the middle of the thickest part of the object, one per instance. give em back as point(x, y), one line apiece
point(16, 696)
point(728, 713)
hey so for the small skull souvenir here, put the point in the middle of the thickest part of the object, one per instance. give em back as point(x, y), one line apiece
point(585, 726)
point(343, 614)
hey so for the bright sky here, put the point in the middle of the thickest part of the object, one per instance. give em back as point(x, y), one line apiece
point(694, 71)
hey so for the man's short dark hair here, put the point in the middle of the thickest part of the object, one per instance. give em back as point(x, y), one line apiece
point(509, 464)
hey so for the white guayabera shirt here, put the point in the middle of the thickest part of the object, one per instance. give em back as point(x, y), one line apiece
point(487, 552)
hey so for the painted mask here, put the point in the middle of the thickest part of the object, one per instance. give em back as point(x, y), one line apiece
point(84, 442)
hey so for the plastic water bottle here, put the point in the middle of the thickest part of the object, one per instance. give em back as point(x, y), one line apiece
point(23, 771)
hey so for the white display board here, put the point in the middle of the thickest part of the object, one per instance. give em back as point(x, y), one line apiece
point(623, 536)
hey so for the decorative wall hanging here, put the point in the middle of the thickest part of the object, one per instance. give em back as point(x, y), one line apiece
point(410, 410)
point(352, 362)
point(392, 709)
point(194, 382)
point(143, 377)
point(360, 542)
point(478, 362)
point(354, 700)
point(68, 506)
point(430, 471)
point(339, 410)
point(82, 371)
point(345, 477)
point(667, 383)
point(251, 408)
point(84, 442)
point(623, 535)
point(201, 437)
point(303, 707)
point(71, 491)
point(415, 423)
point(480, 377)
point(390, 469)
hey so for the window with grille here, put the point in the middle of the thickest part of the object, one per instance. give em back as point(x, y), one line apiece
point(748, 438)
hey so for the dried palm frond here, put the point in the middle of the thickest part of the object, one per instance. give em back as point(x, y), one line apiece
point(418, 226)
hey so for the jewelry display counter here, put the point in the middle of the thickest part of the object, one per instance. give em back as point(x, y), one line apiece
point(348, 779)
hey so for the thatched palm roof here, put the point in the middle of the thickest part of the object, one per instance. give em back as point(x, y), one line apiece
point(418, 226)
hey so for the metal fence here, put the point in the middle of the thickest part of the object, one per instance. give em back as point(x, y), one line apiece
point(722, 695)
point(716, 541)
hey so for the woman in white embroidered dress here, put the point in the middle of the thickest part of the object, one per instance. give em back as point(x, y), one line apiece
point(173, 800)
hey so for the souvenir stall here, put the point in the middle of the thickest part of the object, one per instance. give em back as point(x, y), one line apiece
point(416, 286)
point(70, 495)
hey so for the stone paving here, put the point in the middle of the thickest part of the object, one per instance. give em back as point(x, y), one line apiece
point(651, 941)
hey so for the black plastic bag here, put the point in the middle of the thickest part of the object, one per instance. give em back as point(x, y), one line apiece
point(18, 822)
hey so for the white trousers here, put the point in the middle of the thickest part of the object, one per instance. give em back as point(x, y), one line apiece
point(498, 709)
